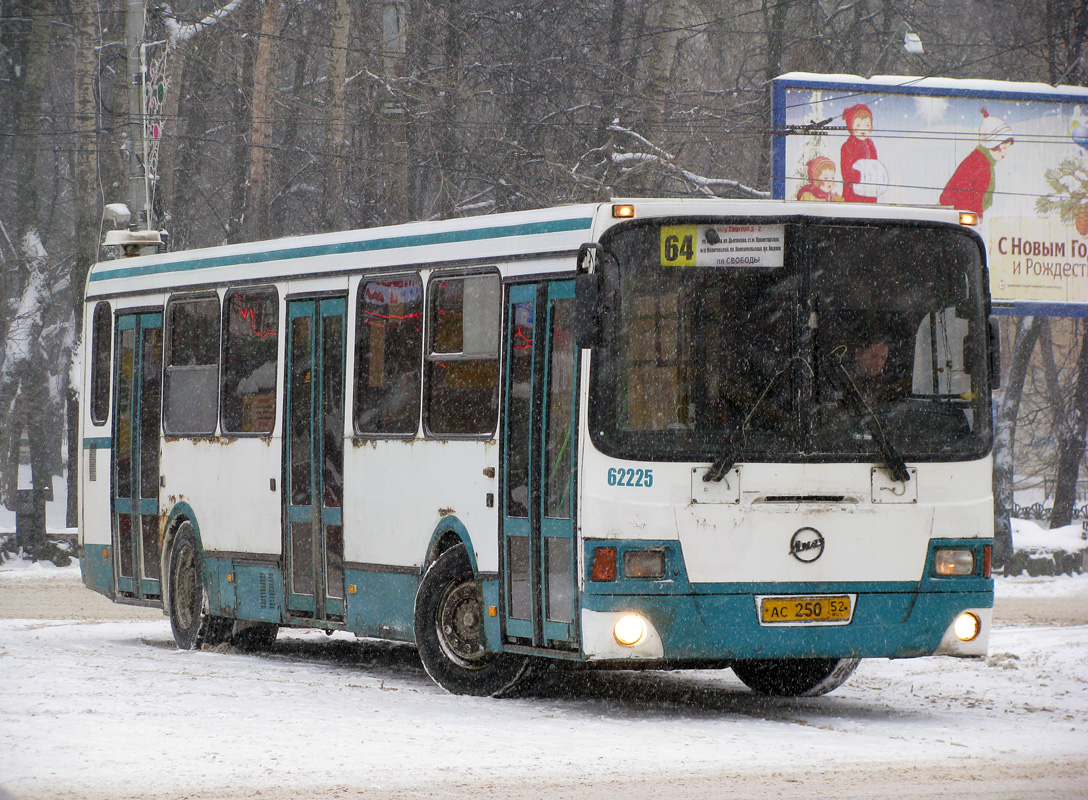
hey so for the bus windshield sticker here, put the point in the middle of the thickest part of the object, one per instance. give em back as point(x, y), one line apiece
point(723, 245)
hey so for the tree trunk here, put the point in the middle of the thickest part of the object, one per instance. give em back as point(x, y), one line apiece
point(168, 144)
point(260, 127)
point(658, 80)
point(282, 211)
point(27, 114)
point(84, 121)
point(1027, 334)
point(87, 199)
point(1071, 443)
point(603, 137)
point(22, 280)
point(1050, 372)
point(774, 25)
point(450, 158)
point(241, 152)
point(192, 126)
point(392, 123)
point(332, 211)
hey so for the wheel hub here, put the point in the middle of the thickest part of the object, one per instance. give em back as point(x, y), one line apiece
point(185, 589)
point(459, 619)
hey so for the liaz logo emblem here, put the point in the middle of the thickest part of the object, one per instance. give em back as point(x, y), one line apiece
point(807, 545)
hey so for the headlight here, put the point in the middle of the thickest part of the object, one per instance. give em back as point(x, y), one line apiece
point(967, 626)
point(630, 629)
point(644, 564)
point(954, 562)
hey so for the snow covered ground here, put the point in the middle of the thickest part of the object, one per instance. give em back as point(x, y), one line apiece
point(92, 707)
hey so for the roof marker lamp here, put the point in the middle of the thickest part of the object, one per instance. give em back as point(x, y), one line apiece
point(623, 211)
point(967, 627)
point(968, 218)
point(629, 630)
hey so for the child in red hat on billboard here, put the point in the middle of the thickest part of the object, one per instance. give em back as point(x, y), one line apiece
point(857, 154)
point(821, 181)
point(971, 187)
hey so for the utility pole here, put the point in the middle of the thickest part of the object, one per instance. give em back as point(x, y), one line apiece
point(134, 127)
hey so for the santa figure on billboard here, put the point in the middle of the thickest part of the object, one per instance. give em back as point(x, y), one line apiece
point(971, 187)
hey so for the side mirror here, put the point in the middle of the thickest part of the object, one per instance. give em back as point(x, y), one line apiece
point(995, 354)
point(587, 297)
point(587, 311)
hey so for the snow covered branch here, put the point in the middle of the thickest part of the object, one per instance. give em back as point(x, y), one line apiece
point(179, 33)
point(699, 183)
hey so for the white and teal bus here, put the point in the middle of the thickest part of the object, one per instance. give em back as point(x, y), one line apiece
point(654, 433)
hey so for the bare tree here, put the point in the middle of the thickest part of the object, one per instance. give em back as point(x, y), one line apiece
point(1008, 411)
point(1071, 440)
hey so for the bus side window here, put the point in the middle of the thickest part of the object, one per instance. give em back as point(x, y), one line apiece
point(464, 314)
point(192, 367)
point(101, 333)
point(250, 360)
point(388, 347)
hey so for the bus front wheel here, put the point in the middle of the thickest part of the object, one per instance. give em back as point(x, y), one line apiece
point(190, 620)
point(795, 677)
point(449, 632)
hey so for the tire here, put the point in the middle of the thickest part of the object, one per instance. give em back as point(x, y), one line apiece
point(449, 632)
point(190, 620)
point(255, 637)
point(795, 677)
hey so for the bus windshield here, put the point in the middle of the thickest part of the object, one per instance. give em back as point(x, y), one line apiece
point(814, 341)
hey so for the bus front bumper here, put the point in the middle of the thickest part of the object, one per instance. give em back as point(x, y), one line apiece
point(722, 627)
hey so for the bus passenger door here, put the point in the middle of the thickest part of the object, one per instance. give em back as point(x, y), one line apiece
point(539, 437)
point(136, 420)
point(314, 458)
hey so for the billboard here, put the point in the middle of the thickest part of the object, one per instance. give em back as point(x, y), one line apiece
point(1016, 154)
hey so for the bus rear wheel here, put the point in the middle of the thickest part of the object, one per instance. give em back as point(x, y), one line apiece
point(254, 637)
point(795, 677)
point(449, 632)
point(190, 619)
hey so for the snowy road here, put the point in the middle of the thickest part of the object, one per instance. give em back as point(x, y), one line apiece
point(97, 708)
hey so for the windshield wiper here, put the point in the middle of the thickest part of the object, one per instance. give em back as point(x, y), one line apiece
point(853, 402)
point(720, 468)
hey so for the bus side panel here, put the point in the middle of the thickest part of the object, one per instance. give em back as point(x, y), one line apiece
point(382, 604)
point(233, 486)
point(397, 492)
point(94, 522)
point(95, 526)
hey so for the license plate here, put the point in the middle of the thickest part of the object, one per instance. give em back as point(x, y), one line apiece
point(804, 609)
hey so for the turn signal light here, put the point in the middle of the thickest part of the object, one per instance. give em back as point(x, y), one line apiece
point(604, 564)
point(968, 218)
